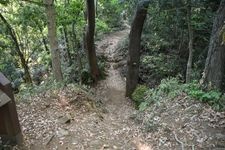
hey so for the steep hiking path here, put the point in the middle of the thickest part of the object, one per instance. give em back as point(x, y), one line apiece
point(121, 131)
point(111, 128)
point(113, 87)
point(71, 118)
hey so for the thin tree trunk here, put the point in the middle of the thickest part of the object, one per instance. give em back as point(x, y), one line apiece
point(215, 63)
point(96, 7)
point(45, 43)
point(52, 35)
point(190, 45)
point(76, 49)
point(134, 47)
point(67, 45)
point(43, 38)
point(27, 76)
point(92, 58)
point(84, 46)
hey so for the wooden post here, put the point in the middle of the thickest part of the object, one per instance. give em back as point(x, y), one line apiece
point(10, 131)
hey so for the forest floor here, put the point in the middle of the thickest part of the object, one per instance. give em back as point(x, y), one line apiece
point(72, 118)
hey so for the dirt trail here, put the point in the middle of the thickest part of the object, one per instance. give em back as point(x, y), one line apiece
point(88, 130)
point(112, 129)
point(113, 87)
point(121, 131)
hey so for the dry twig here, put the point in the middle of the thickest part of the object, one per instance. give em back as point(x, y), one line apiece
point(179, 141)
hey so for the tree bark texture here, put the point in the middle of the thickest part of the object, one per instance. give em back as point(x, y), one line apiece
point(190, 45)
point(52, 35)
point(215, 63)
point(92, 58)
point(27, 76)
point(134, 47)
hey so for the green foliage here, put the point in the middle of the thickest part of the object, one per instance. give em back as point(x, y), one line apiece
point(139, 94)
point(101, 26)
point(67, 13)
point(213, 97)
point(102, 64)
point(4, 2)
point(31, 16)
point(157, 66)
point(161, 64)
point(110, 12)
point(166, 35)
point(27, 90)
point(170, 88)
point(143, 105)
point(86, 77)
point(44, 58)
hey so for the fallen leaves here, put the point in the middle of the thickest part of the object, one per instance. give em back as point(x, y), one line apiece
point(185, 123)
point(44, 115)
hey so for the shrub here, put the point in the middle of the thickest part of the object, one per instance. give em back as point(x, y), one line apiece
point(139, 94)
point(171, 87)
point(168, 88)
point(156, 66)
point(213, 97)
point(86, 77)
point(28, 90)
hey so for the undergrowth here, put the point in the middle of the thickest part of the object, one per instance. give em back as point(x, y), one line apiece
point(170, 88)
point(86, 77)
point(27, 91)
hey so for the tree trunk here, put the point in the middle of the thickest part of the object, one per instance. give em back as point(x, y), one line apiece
point(190, 45)
point(76, 50)
point(215, 63)
point(27, 76)
point(55, 53)
point(134, 47)
point(84, 46)
point(92, 58)
point(96, 7)
point(43, 38)
point(67, 44)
